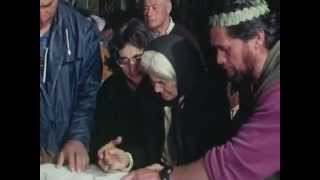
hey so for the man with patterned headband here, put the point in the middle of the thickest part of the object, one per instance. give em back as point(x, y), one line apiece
point(246, 38)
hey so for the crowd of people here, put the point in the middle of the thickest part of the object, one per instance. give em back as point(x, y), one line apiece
point(160, 114)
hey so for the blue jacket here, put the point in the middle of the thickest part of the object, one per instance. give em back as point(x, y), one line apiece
point(70, 81)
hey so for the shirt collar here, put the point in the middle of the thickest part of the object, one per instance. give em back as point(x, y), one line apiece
point(169, 29)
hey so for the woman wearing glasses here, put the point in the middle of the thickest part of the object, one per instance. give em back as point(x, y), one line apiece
point(118, 112)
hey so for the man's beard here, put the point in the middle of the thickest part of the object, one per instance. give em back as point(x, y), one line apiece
point(238, 78)
point(233, 76)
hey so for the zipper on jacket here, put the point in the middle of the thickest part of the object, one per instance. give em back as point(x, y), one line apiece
point(45, 65)
point(68, 42)
point(60, 65)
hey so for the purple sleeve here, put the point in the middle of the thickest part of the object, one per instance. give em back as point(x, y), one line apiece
point(254, 153)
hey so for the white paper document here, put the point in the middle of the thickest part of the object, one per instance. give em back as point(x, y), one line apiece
point(50, 172)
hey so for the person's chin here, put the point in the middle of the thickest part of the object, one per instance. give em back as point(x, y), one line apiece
point(235, 78)
point(167, 98)
point(230, 75)
point(152, 26)
point(135, 75)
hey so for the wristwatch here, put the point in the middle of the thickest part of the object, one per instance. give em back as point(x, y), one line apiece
point(165, 172)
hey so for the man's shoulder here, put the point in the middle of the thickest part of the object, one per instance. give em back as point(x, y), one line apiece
point(72, 16)
point(270, 96)
point(181, 30)
point(114, 84)
point(69, 19)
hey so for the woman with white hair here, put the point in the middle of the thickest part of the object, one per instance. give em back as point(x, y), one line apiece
point(192, 113)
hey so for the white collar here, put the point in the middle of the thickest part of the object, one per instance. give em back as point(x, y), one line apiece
point(171, 26)
point(169, 29)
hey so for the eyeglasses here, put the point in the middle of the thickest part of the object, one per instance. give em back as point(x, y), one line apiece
point(125, 60)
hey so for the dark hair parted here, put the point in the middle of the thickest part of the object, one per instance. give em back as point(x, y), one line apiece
point(269, 23)
point(133, 32)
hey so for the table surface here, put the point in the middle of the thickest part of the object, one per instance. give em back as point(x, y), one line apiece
point(50, 172)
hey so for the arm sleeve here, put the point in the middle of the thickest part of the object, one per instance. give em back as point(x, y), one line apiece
point(254, 153)
point(83, 115)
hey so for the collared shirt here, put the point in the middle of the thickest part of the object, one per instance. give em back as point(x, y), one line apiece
point(171, 26)
point(166, 158)
point(234, 111)
point(169, 29)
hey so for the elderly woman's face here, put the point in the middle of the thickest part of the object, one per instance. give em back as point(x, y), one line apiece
point(166, 88)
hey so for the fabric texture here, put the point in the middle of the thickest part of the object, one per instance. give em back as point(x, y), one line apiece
point(254, 152)
point(68, 93)
point(119, 113)
point(202, 113)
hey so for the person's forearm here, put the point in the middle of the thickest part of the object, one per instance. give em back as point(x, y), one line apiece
point(193, 171)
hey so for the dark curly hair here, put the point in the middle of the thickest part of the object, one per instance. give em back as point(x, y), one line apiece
point(133, 32)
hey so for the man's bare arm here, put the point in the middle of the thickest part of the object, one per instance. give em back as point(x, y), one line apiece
point(193, 171)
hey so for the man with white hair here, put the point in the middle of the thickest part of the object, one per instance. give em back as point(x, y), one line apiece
point(158, 20)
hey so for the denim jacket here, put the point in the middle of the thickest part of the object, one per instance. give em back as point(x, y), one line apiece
point(70, 81)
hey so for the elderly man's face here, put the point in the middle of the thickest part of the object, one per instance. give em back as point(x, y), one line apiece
point(156, 13)
point(233, 55)
point(47, 11)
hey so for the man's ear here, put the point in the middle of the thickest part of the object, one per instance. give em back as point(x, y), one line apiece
point(260, 39)
point(169, 7)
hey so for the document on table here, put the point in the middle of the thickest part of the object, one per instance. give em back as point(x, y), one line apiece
point(50, 172)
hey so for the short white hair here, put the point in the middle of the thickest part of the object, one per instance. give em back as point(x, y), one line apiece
point(155, 63)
